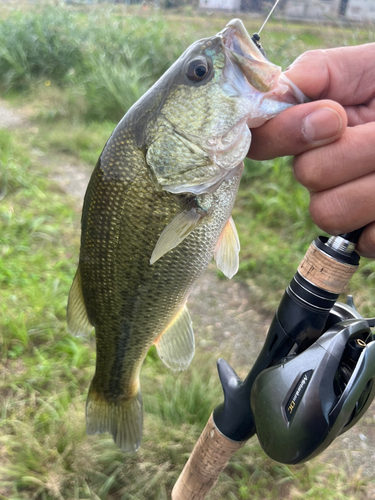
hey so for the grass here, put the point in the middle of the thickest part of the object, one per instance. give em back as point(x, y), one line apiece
point(109, 60)
point(53, 66)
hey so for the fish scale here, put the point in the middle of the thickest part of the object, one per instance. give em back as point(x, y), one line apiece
point(157, 208)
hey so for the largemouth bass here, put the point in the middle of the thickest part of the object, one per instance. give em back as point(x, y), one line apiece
point(158, 208)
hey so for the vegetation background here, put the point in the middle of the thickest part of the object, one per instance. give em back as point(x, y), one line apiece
point(72, 71)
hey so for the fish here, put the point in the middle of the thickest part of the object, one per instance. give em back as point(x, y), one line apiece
point(157, 210)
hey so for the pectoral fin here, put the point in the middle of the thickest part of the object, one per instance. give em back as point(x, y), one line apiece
point(78, 322)
point(176, 231)
point(175, 345)
point(227, 250)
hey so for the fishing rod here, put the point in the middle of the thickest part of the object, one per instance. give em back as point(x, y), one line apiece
point(312, 381)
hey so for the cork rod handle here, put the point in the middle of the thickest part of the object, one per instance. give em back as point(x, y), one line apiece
point(209, 457)
point(325, 271)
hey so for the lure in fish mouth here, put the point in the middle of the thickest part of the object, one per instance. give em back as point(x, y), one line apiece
point(158, 208)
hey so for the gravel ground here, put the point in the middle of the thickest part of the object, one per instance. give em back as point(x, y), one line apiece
point(225, 321)
point(9, 118)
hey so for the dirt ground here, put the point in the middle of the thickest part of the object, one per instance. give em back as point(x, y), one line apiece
point(225, 320)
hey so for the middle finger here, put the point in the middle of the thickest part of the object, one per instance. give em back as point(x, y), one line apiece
point(348, 158)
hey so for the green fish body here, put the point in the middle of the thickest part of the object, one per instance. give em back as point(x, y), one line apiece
point(157, 209)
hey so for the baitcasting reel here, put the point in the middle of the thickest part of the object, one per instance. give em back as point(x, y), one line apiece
point(303, 403)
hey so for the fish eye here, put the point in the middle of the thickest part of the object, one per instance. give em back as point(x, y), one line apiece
point(197, 70)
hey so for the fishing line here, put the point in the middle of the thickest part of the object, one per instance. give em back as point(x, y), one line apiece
point(269, 15)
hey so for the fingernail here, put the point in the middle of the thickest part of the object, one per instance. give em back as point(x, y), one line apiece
point(322, 124)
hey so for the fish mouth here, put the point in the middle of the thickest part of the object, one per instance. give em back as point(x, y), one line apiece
point(258, 71)
point(242, 51)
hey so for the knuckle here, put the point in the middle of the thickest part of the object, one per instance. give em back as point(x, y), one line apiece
point(317, 169)
point(328, 211)
point(301, 171)
point(308, 172)
point(307, 57)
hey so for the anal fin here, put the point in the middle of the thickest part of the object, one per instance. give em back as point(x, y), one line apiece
point(227, 250)
point(78, 322)
point(176, 345)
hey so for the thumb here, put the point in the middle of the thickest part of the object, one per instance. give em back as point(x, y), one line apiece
point(299, 129)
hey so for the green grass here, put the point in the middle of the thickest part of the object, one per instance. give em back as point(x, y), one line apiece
point(52, 64)
point(111, 61)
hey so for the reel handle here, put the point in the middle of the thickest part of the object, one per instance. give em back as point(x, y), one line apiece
point(327, 265)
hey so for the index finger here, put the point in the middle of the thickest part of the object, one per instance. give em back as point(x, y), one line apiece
point(345, 74)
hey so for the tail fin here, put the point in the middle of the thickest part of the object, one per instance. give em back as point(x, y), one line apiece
point(124, 420)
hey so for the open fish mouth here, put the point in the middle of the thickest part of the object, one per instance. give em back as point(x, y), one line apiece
point(242, 51)
point(258, 71)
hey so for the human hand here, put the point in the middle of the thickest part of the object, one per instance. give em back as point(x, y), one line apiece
point(332, 138)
